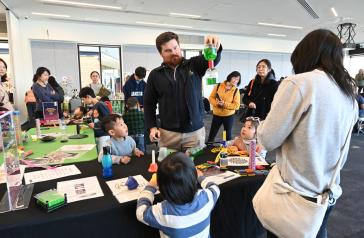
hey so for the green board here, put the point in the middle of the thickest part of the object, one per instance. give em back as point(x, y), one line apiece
point(41, 149)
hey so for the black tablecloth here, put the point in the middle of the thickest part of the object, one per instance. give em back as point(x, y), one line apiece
point(233, 215)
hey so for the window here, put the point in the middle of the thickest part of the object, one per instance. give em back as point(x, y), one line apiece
point(103, 59)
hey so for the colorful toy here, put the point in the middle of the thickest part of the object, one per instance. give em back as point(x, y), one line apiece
point(153, 167)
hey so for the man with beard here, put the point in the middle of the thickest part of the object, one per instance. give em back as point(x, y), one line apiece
point(176, 86)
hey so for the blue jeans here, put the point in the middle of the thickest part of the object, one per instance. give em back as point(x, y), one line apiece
point(322, 232)
point(139, 140)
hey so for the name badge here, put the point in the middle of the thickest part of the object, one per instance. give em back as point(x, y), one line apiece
point(137, 93)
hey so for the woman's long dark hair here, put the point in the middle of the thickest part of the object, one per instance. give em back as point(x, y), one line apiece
point(39, 72)
point(4, 77)
point(323, 49)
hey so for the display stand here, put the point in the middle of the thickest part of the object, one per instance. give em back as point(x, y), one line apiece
point(50, 113)
point(17, 195)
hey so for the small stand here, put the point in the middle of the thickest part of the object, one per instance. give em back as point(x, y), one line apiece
point(17, 195)
point(153, 167)
point(78, 135)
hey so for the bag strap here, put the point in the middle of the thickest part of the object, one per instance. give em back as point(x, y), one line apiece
point(251, 87)
point(236, 89)
point(218, 85)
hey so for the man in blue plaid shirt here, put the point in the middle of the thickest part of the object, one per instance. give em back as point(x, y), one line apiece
point(134, 119)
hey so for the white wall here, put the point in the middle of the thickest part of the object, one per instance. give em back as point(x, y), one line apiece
point(22, 31)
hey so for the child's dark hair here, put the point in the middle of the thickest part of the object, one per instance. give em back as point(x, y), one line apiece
point(140, 72)
point(83, 109)
point(109, 122)
point(177, 178)
point(132, 102)
point(86, 91)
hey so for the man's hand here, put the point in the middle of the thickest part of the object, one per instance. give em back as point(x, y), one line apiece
point(91, 125)
point(213, 40)
point(154, 134)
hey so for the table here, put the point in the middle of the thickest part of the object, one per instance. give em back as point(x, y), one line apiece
point(233, 215)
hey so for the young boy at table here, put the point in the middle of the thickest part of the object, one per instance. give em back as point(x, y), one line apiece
point(98, 112)
point(122, 145)
point(248, 133)
point(134, 118)
point(185, 211)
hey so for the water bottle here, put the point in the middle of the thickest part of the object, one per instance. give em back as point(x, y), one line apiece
point(18, 134)
point(252, 146)
point(63, 130)
point(37, 128)
point(106, 162)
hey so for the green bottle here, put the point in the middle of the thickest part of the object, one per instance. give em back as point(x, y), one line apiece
point(210, 52)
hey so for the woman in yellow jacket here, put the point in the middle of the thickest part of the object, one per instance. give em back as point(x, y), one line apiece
point(225, 100)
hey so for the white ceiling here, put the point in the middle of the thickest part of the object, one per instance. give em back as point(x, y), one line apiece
point(238, 17)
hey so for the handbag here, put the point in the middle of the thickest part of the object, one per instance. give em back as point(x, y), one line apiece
point(282, 210)
point(104, 92)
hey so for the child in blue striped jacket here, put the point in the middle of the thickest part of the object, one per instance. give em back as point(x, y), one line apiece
point(186, 210)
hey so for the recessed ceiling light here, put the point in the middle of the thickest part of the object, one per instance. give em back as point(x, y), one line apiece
point(280, 25)
point(162, 24)
point(183, 15)
point(49, 14)
point(280, 35)
point(334, 11)
point(81, 4)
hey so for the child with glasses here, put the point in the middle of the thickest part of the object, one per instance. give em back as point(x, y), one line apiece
point(248, 133)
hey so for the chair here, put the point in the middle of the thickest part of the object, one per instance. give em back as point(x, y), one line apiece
point(360, 125)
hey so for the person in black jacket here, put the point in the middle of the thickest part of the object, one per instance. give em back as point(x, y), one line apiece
point(260, 91)
point(58, 89)
point(135, 86)
point(176, 86)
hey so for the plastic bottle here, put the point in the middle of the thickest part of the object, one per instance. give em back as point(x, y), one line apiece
point(252, 155)
point(18, 134)
point(210, 54)
point(63, 130)
point(106, 162)
point(37, 128)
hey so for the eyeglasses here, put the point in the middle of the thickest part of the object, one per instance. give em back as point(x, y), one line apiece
point(253, 119)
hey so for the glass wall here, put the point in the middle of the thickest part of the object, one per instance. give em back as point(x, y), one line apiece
point(103, 59)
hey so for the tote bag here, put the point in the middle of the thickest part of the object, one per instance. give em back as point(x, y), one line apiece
point(284, 212)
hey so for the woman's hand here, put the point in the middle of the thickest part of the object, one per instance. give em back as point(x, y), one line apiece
point(252, 105)
point(220, 103)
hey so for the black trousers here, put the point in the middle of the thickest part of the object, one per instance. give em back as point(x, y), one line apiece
point(216, 123)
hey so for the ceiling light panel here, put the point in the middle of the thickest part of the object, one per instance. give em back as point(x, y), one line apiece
point(184, 15)
point(334, 11)
point(50, 14)
point(80, 4)
point(280, 25)
point(162, 24)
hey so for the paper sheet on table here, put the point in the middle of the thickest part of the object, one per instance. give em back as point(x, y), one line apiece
point(222, 178)
point(80, 189)
point(49, 174)
point(77, 147)
point(2, 172)
point(121, 192)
